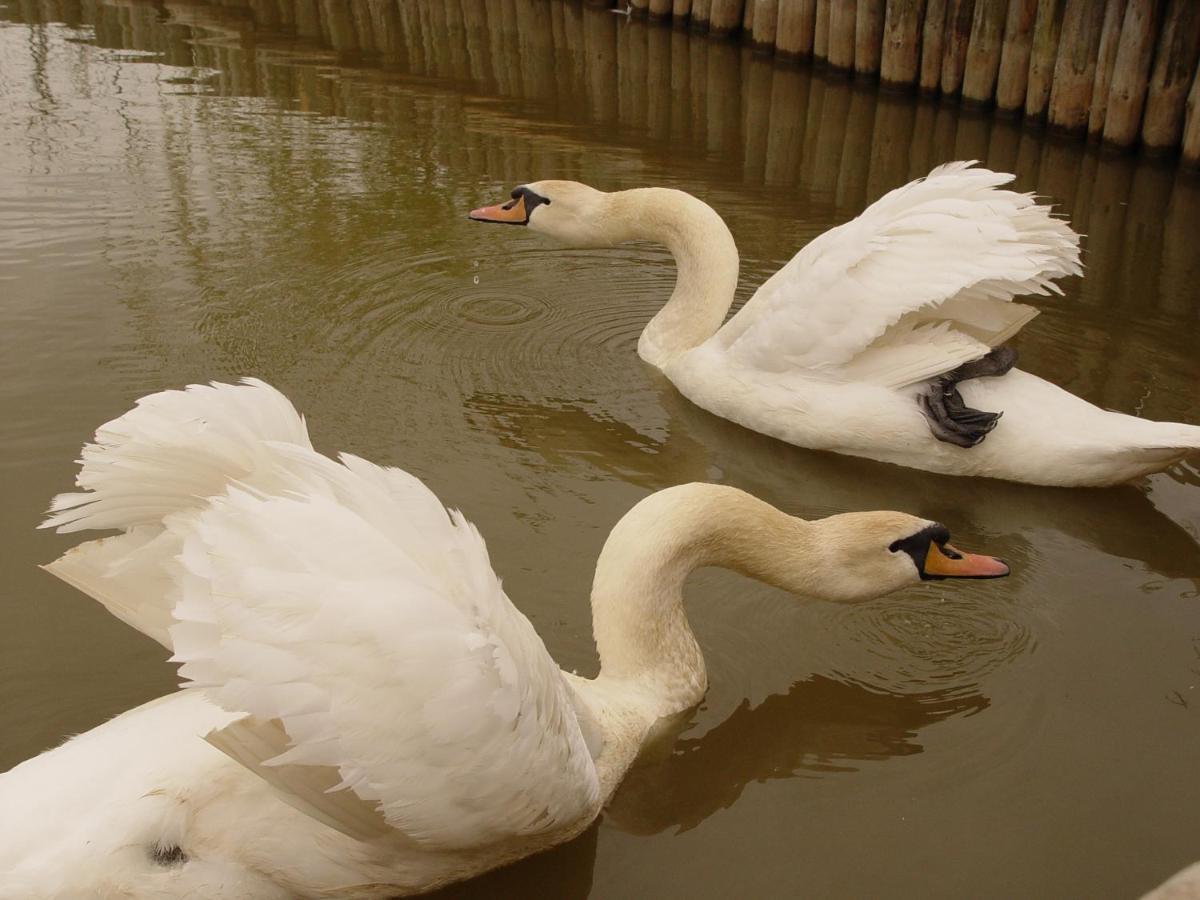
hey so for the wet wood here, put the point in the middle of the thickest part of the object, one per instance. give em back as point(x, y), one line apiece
point(661, 9)
point(766, 21)
point(933, 36)
point(1191, 128)
point(1173, 74)
point(725, 17)
point(821, 30)
point(959, 14)
point(900, 56)
point(794, 28)
point(1131, 73)
point(868, 37)
point(1042, 56)
point(842, 17)
point(1114, 13)
point(983, 52)
point(1075, 68)
point(1013, 76)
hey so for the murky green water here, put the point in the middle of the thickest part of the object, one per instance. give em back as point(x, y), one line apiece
point(193, 191)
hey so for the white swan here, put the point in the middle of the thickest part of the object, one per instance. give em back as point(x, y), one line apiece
point(859, 344)
point(380, 719)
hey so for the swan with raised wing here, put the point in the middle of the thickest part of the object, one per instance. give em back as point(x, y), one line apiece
point(365, 713)
point(883, 337)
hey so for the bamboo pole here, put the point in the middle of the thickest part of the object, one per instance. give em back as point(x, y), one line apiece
point(900, 57)
point(1191, 129)
point(1174, 68)
point(1042, 54)
point(1014, 57)
point(958, 35)
point(794, 29)
point(1127, 94)
point(1114, 12)
point(868, 37)
point(766, 22)
point(933, 38)
point(1075, 68)
point(983, 51)
point(841, 34)
point(821, 31)
point(725, 17)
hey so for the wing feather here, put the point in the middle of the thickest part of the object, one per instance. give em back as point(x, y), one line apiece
point(951, 248)
point(386, 676)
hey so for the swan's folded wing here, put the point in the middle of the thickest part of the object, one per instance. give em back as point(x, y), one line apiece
point(951, 248)
point(367, 622)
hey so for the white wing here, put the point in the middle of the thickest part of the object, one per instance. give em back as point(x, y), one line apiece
point(339, 604)
point(919, 283)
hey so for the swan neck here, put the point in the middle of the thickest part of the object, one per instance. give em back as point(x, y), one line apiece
point(641, 628)
point(706, 261)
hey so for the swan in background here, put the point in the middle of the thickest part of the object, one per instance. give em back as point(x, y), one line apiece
point(365, 713)
point(882, 337)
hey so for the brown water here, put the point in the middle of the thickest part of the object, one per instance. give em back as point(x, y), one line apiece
point(279, 188)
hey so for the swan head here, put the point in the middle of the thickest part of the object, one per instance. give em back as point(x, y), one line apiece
point(867, 554)
point(571, 213)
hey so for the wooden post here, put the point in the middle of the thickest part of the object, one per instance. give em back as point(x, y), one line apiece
point(841, 34)
point(680, 10)
point(1174, 69)
point(900, 59)
point(933, 39)
point(1114, 12)
point(958, 36)
point(794, 29)
point(725, 17)
point(1014, 58)
point(821, 31)
point(701, 10)
point(868, 37)
point(660, 9)
point(983, 52)
point(1042, 55)
point(638, 7)
point(766, 21)
point(1131, 72)
point(1075, 68)
point(1191, 128)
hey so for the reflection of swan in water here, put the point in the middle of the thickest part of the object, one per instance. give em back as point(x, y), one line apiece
point(882, 338)
point(698, 445)
point(818, 726)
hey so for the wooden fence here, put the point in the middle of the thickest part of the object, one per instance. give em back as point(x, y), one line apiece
point(1124, 72)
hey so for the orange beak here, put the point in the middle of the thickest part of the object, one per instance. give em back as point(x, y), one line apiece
point(954, 563)
point(511, 213)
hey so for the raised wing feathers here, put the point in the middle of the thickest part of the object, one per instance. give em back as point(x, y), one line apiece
point(339, 601)
point(952, 247)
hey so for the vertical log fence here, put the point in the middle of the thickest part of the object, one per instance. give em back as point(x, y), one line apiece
point(1122, 72)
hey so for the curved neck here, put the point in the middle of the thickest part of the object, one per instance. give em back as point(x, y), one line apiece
point(706, 260)
point(641, 629)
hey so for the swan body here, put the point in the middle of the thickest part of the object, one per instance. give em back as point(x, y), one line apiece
point(364, 712)
point(837, 350)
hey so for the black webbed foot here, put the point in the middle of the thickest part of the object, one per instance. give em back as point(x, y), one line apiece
point(950, 419)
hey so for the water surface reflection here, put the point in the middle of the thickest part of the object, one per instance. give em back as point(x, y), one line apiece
point(278, 187)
